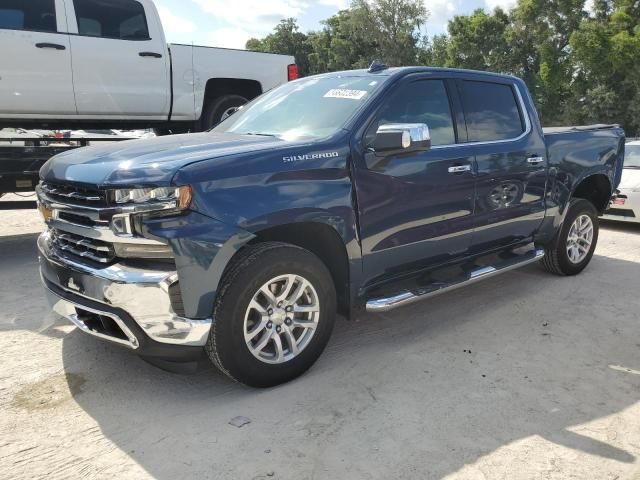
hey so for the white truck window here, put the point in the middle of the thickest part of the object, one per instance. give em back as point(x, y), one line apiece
point(119, 19)
point(35, 15)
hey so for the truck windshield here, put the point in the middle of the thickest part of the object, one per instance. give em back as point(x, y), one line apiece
point(632, 156)
point(310, 108)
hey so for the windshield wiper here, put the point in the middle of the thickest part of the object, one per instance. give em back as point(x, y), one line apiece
point(260, 134)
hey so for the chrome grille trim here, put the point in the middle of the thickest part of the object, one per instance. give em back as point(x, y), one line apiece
point(74, 194)
point(83, 247)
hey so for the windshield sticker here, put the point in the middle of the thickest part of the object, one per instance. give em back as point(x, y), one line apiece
point(345, 93)
point(313, 156)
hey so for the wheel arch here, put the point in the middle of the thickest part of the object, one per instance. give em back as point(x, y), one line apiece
point(217, 87)
point(323, 241)
point(595, 188)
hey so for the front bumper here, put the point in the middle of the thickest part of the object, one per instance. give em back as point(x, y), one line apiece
point(121, 303)
point(627, 212)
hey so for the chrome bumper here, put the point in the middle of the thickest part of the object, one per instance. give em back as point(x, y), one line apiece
point(142, 294)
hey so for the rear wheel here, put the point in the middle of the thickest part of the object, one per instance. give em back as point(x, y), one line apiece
point(218, 109)
point(273, 316)
point(573, 247)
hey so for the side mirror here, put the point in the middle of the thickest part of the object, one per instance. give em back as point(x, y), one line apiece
point(402, 138)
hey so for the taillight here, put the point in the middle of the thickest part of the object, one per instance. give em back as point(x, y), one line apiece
point(292, 71)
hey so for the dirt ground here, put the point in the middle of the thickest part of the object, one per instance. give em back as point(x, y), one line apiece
point(525, 376)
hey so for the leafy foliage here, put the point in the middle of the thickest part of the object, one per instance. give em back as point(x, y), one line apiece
point(581, 66)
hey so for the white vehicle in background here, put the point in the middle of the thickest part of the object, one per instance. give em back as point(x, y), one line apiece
point(106, 64)
point(626, 204)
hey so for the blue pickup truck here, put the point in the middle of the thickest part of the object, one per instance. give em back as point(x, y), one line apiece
point(349, 192)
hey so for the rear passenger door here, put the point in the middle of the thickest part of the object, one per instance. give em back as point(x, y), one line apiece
point(511, 163)
point(35, 63)
point(120, 59)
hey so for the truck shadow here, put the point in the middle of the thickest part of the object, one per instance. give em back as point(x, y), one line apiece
point(417, 393)
point(620, 226)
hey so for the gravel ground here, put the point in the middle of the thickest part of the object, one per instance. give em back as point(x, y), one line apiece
point(524, 376)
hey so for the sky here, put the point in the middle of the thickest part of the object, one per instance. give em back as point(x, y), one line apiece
point(230, 23)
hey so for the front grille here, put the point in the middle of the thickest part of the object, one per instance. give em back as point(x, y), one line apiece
point(75, 195)
point(79, 246)
point(81, 219)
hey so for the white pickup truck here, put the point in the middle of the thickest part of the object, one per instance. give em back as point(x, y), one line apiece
point(106, 64)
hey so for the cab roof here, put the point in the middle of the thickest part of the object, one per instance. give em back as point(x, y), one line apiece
point(402, 71)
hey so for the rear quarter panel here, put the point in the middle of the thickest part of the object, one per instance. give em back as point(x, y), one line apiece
point(575, 156)
point(270, 70)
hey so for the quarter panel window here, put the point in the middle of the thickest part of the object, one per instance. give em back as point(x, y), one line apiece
point(120, 19)
point(423, 101)
point(37, 15)
point(491, 111)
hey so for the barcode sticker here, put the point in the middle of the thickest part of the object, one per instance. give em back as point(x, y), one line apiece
point(345, 93)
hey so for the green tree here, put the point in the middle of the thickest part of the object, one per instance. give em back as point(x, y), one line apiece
point(477, 41)
point(393, 26)
point(286, 39)
point(606, 54)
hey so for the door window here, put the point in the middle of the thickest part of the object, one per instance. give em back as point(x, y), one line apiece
point(491, 111)
point(120, 19)
point(424, 101)
point(38, 15)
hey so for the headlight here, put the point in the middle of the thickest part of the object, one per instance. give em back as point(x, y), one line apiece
point(177, 197)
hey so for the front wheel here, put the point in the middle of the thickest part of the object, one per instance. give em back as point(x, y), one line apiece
point(572, 248)
point(273, 316)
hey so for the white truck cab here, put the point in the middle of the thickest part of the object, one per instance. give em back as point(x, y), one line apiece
point(107, 63)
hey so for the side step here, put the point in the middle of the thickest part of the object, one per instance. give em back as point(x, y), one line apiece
point(410, 296)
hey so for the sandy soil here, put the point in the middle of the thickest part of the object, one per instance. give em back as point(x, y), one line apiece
point(524, 376)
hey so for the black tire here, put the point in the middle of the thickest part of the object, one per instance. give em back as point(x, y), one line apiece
point(256, 266)
point(216, 108)
point(556, 259)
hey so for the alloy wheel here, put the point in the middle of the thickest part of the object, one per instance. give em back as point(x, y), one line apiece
point(281, 319)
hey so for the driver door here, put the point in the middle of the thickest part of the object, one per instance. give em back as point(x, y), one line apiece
point(416, 210)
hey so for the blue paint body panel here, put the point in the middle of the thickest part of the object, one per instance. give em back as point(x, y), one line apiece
point(393, 214)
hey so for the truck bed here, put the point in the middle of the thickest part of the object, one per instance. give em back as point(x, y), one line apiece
point(578, 128)
point(582, 151)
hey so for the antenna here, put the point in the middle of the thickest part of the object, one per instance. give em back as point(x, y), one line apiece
point(377, 66)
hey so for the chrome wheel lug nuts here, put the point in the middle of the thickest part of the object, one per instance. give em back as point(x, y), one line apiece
point(269, 324)
point(270, 311)
point(287, 321)
point(278, 329)
point(289, 309)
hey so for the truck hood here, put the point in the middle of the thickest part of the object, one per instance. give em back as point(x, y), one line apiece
point(151, 161)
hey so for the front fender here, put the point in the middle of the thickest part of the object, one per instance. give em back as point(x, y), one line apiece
point(203, 248)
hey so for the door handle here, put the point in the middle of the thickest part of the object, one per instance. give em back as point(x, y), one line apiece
point(460, 169)
point(55, 46)
point(535, 160)
point(150, 54)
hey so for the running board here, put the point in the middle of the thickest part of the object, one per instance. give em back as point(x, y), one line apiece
point(407, 297)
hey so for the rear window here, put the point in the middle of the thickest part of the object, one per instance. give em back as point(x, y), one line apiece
point(38, 15)
point(491, 111)
point(119, 19)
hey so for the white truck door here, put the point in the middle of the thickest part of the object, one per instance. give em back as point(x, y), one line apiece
point(35, 59)
point(120, 59)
